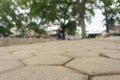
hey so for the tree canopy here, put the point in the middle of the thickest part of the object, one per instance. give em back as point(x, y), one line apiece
point(32, 14)
point(62, 12)
point(111, 12)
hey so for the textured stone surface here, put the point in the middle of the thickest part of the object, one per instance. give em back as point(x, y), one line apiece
point(79, 54)
point(61, 60)
point(48, 52)
point(111, 55)
point(15, 56)
point(95, 66)
point(9, 65)
point(46, 60)
point(24, 51)
point(111, 77)
point(4, 53)
point(43, 73)
point(105, 51)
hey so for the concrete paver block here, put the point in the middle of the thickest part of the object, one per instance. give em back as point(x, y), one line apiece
point(43, 73)
point(15, 56)
point(111, 55)
point(24, 51)
point(111, 77)
point(95, 66)
point(104, 51)
point(48, 52)
point(4, 53)
point(46, 60)
point(9, 65)
point(79, 54)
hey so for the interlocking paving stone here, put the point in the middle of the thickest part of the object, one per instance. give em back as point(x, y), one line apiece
point(9, 65)
point(9, 48)
point(79, 54)
point(15, 56)
point(24, 51)
point(111, 77)
point(95, 66)
point(111, 55)
point(48, 52)
point(43, 73)
point(46, 60)
point(105, 51)
point(4, 53)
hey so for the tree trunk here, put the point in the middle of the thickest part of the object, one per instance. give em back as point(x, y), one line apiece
point(63, 32)
point(63, 26)
point(83, 28)
point(106, 17)
point(81, 11)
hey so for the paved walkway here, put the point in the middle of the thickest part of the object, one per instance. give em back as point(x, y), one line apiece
point(61, 60)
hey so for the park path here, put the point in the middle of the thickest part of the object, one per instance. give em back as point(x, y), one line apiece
point(91, 59)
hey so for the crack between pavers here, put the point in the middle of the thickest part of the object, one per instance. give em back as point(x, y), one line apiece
point(22, 63)
point(33, 54)
point(93, 75)
point(41, 64)
point(102, 55)
point(106, 74)
point(77, 70)
point(105, 56)
point(89, 77)
point(102, 75)
point(68, 61)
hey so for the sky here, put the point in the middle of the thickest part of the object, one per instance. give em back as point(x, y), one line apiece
point(96, 24)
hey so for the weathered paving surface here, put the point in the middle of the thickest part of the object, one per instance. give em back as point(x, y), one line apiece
point(90, 59)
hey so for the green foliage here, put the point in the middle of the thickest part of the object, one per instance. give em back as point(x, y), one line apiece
point(61, 12)
point(71, 28)
point(35, 27)
point(111, 12)
point(5, 31)
point(5, 19)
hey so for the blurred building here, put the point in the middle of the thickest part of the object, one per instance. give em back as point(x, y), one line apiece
point(115, 31)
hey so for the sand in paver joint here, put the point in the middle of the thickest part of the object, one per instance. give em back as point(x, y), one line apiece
point(61, 60)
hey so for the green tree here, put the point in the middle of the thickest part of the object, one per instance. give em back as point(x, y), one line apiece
point(107, 4)
point(55, 11)
point(33, 26)
point(71, 28)
point(62, 12)
point(5, 19)
point(111, 12)
point(85, 9)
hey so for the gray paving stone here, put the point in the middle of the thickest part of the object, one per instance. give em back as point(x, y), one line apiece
point(46, 60)
point(9, 65)
point(43, 73)
point(111, 55)
point(24, 51)
point(48, 52)
point(105, 51)
point(4, 53)
point(9, 48)
point(95, 66)
point(15, 56)
point(111, 77)
point(79, 54)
